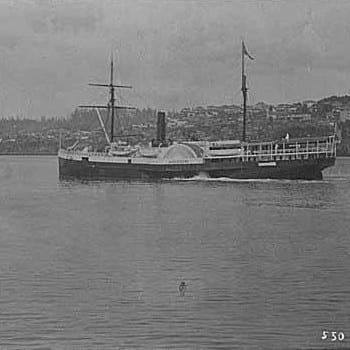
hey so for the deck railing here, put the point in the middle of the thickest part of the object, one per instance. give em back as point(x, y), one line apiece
point(82, 153)
point(323, 147)
point(297, 149)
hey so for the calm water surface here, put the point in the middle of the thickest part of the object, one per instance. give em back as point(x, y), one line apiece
point(98, 265)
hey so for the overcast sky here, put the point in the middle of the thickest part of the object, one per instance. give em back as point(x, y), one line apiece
point(174, 53)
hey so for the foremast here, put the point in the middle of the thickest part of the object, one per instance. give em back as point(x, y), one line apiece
point(111, 106)
point(112, 100)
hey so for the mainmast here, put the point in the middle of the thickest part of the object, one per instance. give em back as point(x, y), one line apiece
point(112, 100)
point(111, 104)
point(244, 90)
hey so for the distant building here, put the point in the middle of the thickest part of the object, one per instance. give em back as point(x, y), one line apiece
point(288, 117)
point(293, 110)
point(309, 103)
point(213, 108)
point(261, 106)
point(295, 117)
point(336, 104)
point(212, 114)
point(283, 107)
point(344, 114)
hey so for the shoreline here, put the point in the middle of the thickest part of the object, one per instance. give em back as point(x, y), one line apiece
point(29, 154)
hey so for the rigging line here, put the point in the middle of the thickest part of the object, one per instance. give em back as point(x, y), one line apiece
point(124, 101)
point(250, 88)
point(107, 116)
point(92, 122)
point(251, 99)
point(236, 70)
point(141, 98)
point(250, 112)
point(237, 93)
point(102, 125)
point(237, 62)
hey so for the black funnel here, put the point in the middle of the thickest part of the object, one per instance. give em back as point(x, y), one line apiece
point(161, 127)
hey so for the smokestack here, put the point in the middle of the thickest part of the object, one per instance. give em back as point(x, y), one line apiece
point(161, 127)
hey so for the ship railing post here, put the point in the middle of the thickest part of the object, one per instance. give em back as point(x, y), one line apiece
point(271, 150)
point(260, 151)
point(331, 146)
point(60, 140)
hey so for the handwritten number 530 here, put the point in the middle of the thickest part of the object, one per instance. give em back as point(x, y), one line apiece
point(333, 336)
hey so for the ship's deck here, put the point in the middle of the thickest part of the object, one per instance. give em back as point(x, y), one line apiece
point(199, 152)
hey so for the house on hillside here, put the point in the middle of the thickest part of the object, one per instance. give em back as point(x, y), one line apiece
point(344, 114)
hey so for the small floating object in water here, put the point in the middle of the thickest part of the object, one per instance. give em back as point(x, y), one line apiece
point(182, 288)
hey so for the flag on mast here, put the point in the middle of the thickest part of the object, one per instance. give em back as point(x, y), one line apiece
point(245, 52)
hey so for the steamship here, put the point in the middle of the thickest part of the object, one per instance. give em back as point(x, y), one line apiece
point(302, 158)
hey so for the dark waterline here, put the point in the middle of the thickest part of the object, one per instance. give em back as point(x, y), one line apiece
point(97, 265)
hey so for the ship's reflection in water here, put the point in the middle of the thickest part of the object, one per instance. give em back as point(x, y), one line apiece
point(98, 265)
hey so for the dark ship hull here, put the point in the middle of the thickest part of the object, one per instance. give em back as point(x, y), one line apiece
point(235, 167)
